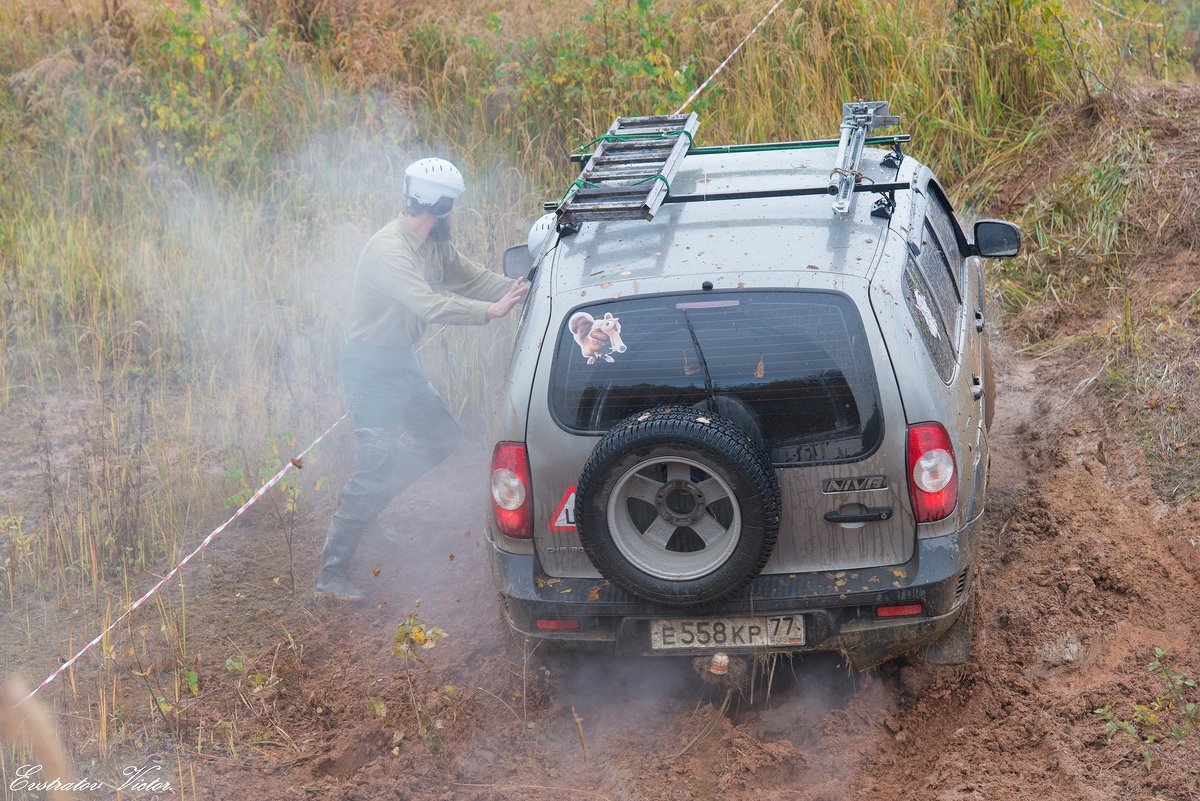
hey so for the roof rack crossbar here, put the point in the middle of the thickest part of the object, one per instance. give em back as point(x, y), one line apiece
point(805, 191)
point(800, 191)
point(765, 147)
point(800, 144)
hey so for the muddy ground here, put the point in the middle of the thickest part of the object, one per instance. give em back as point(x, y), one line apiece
point(1085, 572)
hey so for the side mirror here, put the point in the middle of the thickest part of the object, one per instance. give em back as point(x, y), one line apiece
point(517, 261)
point(996, 239)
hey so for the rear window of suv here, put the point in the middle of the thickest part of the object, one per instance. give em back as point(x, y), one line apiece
point(794, 363)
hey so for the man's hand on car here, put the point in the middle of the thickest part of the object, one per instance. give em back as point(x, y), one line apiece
point(503, 306)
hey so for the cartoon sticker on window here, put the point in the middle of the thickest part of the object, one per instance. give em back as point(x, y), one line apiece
point(597, 338)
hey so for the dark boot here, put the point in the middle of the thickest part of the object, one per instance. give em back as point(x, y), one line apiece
point(340, 543)
point(339, 587)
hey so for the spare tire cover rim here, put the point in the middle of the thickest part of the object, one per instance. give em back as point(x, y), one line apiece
point(680, 502)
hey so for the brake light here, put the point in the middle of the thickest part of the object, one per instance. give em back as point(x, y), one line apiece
point(932, 478)
point(512, 500)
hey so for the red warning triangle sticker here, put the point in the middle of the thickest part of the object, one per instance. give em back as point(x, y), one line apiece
point(563, 520)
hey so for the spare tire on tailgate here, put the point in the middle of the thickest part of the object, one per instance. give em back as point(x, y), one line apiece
point(678, 506)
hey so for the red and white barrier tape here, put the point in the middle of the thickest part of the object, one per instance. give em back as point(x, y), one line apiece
point(728, 58)
point(295, 462)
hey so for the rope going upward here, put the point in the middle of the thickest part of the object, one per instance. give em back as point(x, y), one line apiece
point(728, 58)
point(294, 462)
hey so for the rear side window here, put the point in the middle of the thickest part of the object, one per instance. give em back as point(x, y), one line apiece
point(793, 364)
point(924, 310)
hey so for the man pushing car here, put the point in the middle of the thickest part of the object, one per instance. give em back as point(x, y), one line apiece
point(408, 276)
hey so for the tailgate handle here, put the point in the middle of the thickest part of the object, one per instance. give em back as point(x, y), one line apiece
point(869, 515)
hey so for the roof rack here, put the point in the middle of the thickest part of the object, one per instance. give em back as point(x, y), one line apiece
point(628, 175)
point(892, 140)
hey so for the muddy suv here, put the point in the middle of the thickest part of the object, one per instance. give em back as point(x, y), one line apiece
point(737, 420)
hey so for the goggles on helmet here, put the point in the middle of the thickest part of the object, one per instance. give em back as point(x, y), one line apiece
point(442, 208)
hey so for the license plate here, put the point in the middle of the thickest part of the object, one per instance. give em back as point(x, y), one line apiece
point(727, 632)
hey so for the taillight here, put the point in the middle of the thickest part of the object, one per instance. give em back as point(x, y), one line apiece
point(512, 499)
point(932, 478)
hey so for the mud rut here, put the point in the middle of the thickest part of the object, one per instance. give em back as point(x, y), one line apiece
point(1083, 574)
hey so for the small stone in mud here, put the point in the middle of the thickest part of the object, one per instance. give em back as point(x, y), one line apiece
point(894, 726)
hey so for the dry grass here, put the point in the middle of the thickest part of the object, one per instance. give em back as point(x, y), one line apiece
point(186, 186)
point(1110, 283)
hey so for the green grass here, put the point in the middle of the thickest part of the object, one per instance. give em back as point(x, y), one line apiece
point(1076, 227)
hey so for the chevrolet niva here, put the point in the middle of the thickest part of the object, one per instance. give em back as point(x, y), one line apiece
point(738, 420)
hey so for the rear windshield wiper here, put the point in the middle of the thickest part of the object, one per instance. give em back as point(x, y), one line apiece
point(708, 385)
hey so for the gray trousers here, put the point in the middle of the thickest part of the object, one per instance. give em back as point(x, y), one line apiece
point(386, 463)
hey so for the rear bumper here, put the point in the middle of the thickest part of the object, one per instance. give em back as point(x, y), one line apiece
point(838, 608)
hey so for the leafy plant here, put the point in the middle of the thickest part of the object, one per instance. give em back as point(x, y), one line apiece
point(209, 72)
point(415, 635)
point(276, 445)
point(1171, 717)
point(290, 489)
point(192, 678)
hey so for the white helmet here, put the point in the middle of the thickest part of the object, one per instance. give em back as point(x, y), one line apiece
point(540, 235)
point(429, 180)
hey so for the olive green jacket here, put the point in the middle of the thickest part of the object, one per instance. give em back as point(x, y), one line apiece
point(402, 284)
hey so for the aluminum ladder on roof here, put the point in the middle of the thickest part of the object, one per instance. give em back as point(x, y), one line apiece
point(628, 176)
